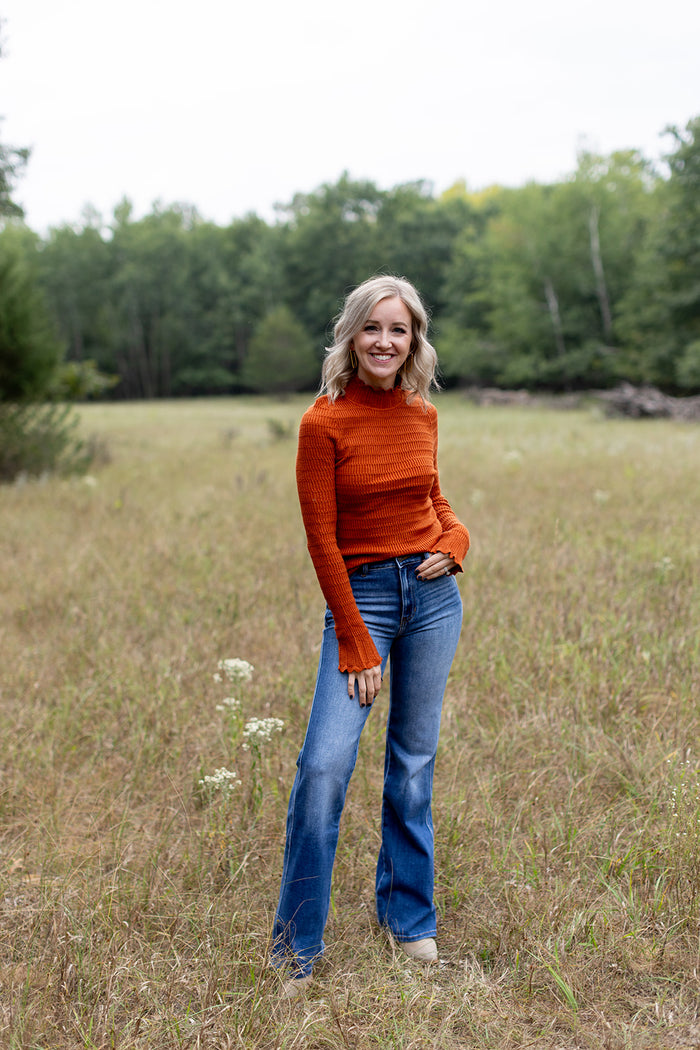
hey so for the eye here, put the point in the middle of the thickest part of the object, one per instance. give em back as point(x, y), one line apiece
point(370, 327)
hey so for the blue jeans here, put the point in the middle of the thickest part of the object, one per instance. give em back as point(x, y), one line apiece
point(417, 624)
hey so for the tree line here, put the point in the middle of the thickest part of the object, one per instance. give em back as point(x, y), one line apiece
point(572, 285)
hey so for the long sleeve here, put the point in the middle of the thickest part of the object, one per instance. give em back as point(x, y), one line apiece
point(316, 465)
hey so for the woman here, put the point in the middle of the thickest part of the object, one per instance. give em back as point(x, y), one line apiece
point(385, 545)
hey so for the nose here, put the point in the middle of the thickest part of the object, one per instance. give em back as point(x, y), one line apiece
point(384, 339)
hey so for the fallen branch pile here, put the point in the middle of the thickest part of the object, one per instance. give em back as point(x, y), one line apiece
point(635, 402)
point(648, 402)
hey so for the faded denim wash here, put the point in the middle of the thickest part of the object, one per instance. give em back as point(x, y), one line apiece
point(416, 623)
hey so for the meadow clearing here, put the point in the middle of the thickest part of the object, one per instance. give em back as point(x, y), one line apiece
point(136, 903)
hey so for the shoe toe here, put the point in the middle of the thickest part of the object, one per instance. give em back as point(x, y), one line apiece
point(424, 950)
point(293, 987)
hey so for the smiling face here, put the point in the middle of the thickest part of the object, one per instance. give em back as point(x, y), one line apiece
point(383, 343)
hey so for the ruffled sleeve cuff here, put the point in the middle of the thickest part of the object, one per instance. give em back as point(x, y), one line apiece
point(357, 653)
point(455, 543)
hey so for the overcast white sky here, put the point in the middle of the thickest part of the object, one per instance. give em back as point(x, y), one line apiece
point(235, 106)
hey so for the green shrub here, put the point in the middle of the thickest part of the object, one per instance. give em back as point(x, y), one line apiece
point(280, 358)
point(79, 380)
point(688, 367)
point(38, 439)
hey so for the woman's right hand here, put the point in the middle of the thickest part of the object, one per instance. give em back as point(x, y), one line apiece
point(369, 682)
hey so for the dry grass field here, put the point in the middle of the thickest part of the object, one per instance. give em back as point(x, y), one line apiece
point(136, 903)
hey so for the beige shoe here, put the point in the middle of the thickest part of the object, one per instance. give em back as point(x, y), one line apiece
point(293, 987)
point(423, 951)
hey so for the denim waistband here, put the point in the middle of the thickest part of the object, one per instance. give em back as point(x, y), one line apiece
point(404, 559)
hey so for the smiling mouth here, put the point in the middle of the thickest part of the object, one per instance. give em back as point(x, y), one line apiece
point(382, 357)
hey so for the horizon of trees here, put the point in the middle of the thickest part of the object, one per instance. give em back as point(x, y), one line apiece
point(564, 286)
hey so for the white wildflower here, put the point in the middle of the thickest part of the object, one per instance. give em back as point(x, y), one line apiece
point(234, 670)
point(223, 779)
point(230, 704)
point(514, 456)
point(259, 731)
point(601, 496)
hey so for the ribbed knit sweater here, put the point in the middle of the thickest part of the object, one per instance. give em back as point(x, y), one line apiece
point(369, 490)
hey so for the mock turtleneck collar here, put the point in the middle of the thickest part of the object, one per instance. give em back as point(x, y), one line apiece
point(363, 394)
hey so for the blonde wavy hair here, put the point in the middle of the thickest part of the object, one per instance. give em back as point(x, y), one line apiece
point(418, 371)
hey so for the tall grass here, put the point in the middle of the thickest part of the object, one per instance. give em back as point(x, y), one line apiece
point(135, 903)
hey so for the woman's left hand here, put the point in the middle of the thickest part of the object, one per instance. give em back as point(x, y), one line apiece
point(436, 565)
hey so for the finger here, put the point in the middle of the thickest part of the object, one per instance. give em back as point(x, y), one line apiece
point(433, 567)
point(351, 685)
point(373, 682)
point(442, 565)
point(424, 569)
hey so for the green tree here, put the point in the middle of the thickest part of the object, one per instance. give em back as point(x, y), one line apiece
point(463, 339)
point(329, 244)
point(29, 349)
point(341, 234)
point(12, 164)
point(682, 243)
point(416, 237)
point(517, 288)
point(76, 271)
point(661, 313)
point(34, 437)
point(249, 284)
point(151, 302)
point(168, 303)
point(537, 290)
point(281, 357)
point(206, 361)
point(13, 161)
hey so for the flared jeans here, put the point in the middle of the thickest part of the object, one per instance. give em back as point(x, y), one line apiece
point(415, 624)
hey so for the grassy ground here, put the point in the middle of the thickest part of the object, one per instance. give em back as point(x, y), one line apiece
point(135, 904)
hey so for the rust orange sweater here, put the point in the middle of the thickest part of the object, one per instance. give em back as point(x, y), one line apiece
point(369, 490)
